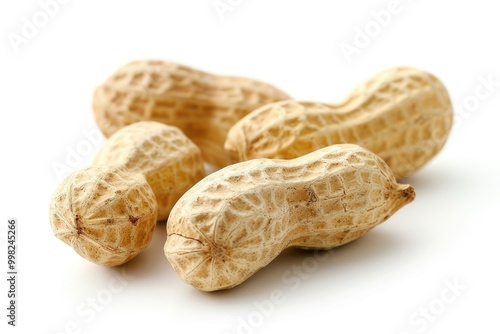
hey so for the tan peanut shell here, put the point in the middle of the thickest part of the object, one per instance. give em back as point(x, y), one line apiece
point(238, 219)
point(107, 215)
point(170, 161)
point(404, 115)
point(204, 106)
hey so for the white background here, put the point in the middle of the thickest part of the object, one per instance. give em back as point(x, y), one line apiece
point(379, 284)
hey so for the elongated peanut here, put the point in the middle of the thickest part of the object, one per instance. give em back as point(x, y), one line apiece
point(107, 215)
point(403, 114)
point(238, 219)
point(202, 105)
point(170, 161)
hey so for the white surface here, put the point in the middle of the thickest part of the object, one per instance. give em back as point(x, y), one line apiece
point(374, 285)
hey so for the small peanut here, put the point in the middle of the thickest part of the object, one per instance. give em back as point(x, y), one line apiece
point(403, 114)
point(202, 105)
point(107, 215)
point(170, 161)
point(107, 212)
point(238, 219)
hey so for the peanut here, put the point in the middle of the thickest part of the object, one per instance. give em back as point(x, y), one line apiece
point(170, 161)
point(107, 215)
point(403, 114)
point(107, 212)
point(202, 105)
point(238, 219)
